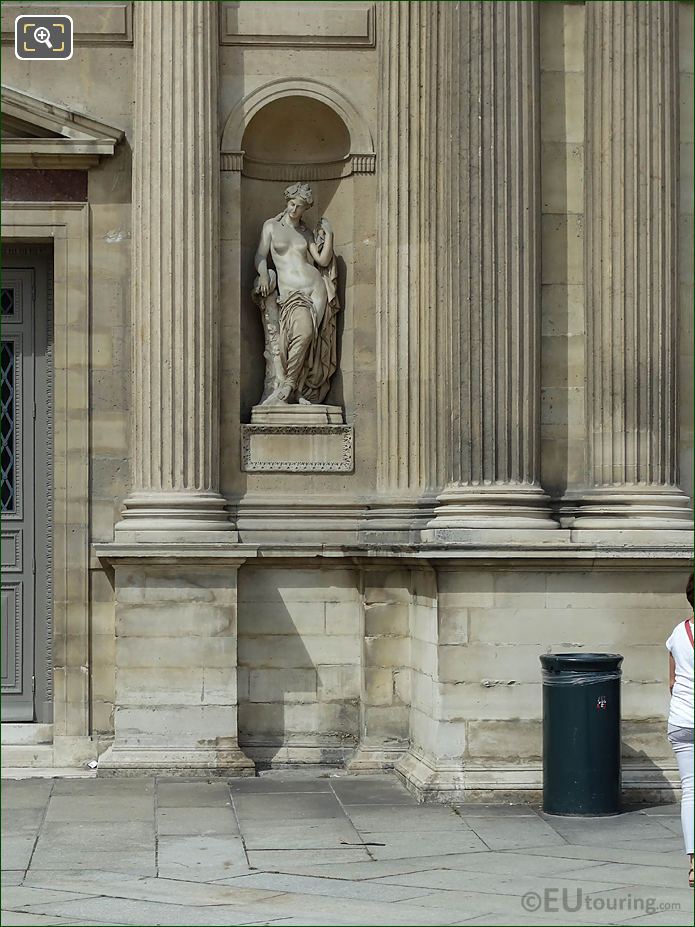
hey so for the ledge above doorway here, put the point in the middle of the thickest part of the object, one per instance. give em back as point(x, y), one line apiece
point(39, 134)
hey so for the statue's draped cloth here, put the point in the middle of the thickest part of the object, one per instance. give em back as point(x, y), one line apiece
point(320, 361)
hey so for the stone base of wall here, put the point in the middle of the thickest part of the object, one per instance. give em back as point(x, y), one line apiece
point(120, 761)
point(501, 783)
point(175, 696)
point(427, 667)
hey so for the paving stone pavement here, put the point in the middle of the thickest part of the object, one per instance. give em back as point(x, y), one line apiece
point(324, 849)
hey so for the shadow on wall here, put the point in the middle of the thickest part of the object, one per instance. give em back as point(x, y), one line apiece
point(640, 771)
point(299, 665)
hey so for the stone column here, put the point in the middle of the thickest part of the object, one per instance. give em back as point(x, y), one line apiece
point(630, 264)
point(175, 278)
point(412, 286)
point(176, 617)
point(493, 319)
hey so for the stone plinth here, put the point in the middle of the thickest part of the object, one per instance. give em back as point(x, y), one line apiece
point(176, 672)
point(295, 448)
point(299, 414)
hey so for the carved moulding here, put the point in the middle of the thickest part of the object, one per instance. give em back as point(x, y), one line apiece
point(104, 23)
point(328, 170)
point(11, 544)
point(297, 448)
point(298, 24)
point(12, 594)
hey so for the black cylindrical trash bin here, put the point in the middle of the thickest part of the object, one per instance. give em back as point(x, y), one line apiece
point(581, 733)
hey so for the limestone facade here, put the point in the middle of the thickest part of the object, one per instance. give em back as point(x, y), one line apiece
point(508, 470)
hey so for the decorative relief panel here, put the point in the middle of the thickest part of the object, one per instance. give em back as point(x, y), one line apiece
point(11, 641)
point(8, 302)
point(94, 23)
point(12, 299)
point(297, 448)
point(319, 25)
point(11, 551)
point(286, 173)
point(39, 185)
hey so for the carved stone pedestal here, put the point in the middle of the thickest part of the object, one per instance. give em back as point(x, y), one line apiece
point(308, 440)
point(299, 414)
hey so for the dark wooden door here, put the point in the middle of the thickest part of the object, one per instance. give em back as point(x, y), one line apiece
point(25, 492)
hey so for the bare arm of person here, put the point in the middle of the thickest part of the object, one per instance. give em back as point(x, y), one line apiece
point(671, 673)
point(323, 257)
point(261, 258)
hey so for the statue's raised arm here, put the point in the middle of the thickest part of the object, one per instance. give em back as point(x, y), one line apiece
point(321, 249)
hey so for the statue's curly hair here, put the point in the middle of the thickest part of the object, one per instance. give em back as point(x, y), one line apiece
point(301, 191)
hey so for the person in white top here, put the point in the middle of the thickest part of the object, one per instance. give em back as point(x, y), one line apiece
point(680, 717)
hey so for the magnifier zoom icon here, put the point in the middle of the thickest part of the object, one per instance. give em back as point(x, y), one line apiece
point(42, 35)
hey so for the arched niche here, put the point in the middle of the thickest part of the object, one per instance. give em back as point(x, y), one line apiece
point(337, 141)
point(293, 137)
point(285, 131)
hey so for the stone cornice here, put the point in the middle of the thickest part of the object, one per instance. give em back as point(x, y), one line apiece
point(51, 135)
point(326, 170)
point(513, 557)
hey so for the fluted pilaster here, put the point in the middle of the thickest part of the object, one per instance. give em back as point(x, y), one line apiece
point(494, 312)
point(412, 286)
point(175, 273)
point(631, 267)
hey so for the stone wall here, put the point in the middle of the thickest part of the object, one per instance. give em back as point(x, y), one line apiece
point(364, 665)
point(387, 679)
point(491, 675)
point(362, 649)
point(300, 644)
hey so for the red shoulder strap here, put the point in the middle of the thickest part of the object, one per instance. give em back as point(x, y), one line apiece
point(689, 630)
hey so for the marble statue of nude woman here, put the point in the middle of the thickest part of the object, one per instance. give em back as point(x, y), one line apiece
point(298, 301)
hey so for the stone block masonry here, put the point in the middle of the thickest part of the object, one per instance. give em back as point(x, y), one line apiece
point(299, 664)
point(176, 677)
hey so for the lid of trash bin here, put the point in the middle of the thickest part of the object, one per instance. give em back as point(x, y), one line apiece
point(580, 662)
